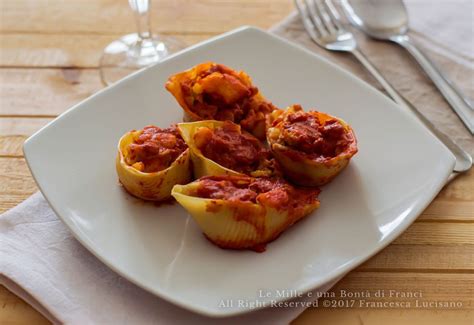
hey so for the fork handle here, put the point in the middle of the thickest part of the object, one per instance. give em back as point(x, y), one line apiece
point(458, 102)
point(463, 159)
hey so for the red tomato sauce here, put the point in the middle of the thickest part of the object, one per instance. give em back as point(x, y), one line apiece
point(273, 192)
point(156, 149)
point(231, 148)
point(304, 132)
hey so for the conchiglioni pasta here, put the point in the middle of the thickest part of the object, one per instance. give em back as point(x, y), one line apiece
point(211, 91)
point(151, 161)
point(241, 212)
point(311, 147)
point(221, 148)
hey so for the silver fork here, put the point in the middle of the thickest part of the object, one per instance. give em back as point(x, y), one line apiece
point(322, 22)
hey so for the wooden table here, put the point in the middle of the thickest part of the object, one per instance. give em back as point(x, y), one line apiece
point(49, 55)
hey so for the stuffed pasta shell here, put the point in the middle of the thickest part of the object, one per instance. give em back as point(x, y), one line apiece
point(311, 147)
point(241, 212)
point(222, 148)
point(211, 91)
point(151, 161)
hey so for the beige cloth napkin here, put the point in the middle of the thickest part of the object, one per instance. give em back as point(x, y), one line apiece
point(41, 262)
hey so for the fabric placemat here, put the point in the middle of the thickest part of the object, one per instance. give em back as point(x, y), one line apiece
point(41, 262)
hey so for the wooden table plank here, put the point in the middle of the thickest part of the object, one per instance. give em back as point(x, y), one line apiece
point(433, 287)
point(14, 311)
point(438, 233)
point(401, 257)
point(44, 92)
point(110, 16)
point(23, 126)
point(14, 132)
point(452, 209)
point(16, 182)
point(59, 50)
point(322, 316)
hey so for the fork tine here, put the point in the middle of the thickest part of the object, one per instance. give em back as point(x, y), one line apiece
point(307, 21)
point(336, 18)
point(325, 17)
point(317, 22)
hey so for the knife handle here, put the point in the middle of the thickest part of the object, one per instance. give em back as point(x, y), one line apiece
point(460, 104)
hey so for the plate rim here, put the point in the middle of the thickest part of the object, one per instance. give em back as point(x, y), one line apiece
point(216, 312)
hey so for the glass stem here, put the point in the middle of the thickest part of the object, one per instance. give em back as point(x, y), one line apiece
point(141, 8)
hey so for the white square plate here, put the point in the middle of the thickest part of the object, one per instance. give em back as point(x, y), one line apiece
point(399, 169)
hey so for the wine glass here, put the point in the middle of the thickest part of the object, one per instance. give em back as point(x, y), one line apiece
point(138, 50)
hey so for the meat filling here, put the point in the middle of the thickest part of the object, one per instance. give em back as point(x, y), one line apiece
point(155, 149)
point(275, 192)
point(306, 133)
point(231, 148)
